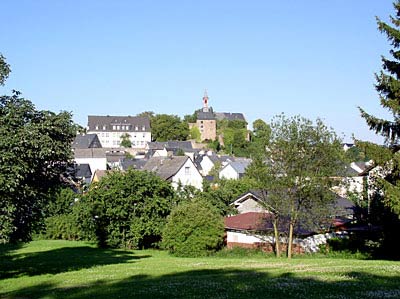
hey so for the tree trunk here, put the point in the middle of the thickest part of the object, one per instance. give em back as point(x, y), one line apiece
point(276, 235)
point(290, 241)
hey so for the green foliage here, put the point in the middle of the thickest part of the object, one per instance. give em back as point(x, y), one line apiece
point(64, 199)
point(129, 209)
point(193, 229)
point(125, 141)
point(295, 172)
point(223, 192)
point(215, 145)
point(62, 227)
point(4, 70)
point(166, 127)
point(260, 138)
point(35, 147)
point(195, 134)
point(190, 118)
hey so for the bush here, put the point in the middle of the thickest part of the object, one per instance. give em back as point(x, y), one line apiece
point(193, 229)
point(128, 210)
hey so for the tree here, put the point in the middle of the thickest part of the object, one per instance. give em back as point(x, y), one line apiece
point(4, 70)
point(166, 127)
point(130, 208)
point(35, 147)
point(125, 141)
point(295, 173)
point(195, 134)
point(259, 137)
point(193, 229)
point(388, 87)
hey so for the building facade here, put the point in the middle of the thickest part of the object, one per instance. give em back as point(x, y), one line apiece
point(112, 129)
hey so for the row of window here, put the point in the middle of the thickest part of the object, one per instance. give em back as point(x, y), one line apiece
point(121, 128)
point(106, 134)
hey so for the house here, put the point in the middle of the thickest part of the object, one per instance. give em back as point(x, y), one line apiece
point(207, 161)
point(163, 149)
point(179, 170)
point(95, 157)
point(111, 129)
point(138, 164)
point(79, 175)
point(252, 227)
point(234, 170)
point(86, 141)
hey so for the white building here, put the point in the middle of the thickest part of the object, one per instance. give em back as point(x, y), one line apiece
point(111, 129)
point(179, 170)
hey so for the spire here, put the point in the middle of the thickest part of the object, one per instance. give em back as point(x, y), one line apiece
point(205, 101)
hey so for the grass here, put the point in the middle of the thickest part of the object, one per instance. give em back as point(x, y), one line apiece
point(62, 269)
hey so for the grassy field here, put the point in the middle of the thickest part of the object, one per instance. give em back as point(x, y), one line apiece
point(61, 269)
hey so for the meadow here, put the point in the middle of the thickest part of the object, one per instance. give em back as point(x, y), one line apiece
point(63, 269)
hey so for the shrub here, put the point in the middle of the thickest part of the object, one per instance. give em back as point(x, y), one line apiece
point(193, 229)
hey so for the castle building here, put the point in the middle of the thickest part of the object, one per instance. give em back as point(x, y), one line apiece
point(206, 121)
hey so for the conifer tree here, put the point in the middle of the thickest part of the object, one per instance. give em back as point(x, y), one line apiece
point(388, 88)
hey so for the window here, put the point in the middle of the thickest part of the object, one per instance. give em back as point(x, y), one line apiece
point(107, 134)
point(187, 170)
point(136, 128)
point(144, 135)
point(143, 128)
point(97, 127)
point(104, 128)
point(114, 127)
point(118, 128)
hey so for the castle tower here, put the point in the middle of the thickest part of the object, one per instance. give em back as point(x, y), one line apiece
point(205, 102)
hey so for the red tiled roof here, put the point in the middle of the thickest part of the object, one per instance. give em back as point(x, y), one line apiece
point(249, 221)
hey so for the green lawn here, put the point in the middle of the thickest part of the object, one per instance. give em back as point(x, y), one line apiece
point(61, 269)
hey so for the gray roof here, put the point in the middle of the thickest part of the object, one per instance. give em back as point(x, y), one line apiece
point(201, 115)
point(170, 145)
point(89, 153)
point(86, 141)
point(80, 171)
point(240, 166)
point(229, 116)
point(133, 163)
point(165, 167)
point(106, 123)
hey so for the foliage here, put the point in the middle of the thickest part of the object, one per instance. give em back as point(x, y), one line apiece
point(222, 193)
point(387, 86)
point(190, 118)
point(166, 127)
point(125, 141)
point(148, 114)
point(215, 145)
point(195, 134)
point(4, 70)
point(295, 172)
point(130, 208)
point(259, 138)
point(193, 229)
point(35, 147)
point(64, 199)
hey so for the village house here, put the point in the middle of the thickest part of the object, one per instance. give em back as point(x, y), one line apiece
point(234, 170)
point(179, 170)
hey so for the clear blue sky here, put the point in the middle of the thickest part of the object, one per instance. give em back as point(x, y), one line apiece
point(315, 58)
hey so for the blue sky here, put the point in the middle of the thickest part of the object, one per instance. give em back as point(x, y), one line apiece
point(315, 58)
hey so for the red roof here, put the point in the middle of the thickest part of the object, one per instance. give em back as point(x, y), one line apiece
point(249, 221)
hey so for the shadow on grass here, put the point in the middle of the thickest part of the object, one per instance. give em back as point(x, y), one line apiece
point(60, 260)
point(229, 283)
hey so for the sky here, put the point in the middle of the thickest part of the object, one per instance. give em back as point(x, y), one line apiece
point(313, 58)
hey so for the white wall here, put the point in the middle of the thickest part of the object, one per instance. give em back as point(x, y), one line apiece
point(229, 173)
point(112, 139)
point(188, 175)
point(94, 163)
point(239, 237)
point(206, 165)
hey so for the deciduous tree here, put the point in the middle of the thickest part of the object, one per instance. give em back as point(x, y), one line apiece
point(35, 147)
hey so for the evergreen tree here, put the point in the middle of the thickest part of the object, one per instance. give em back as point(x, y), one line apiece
point(388, 88)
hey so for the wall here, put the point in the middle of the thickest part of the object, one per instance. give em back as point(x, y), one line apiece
point(190, 176)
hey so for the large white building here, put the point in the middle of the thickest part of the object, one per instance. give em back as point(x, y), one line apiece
point(111, 129)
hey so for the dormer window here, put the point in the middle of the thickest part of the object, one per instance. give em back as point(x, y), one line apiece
point(114, 127)
point(104, 128)
point(97, 127)
point(136, 128)
point(143, 128)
